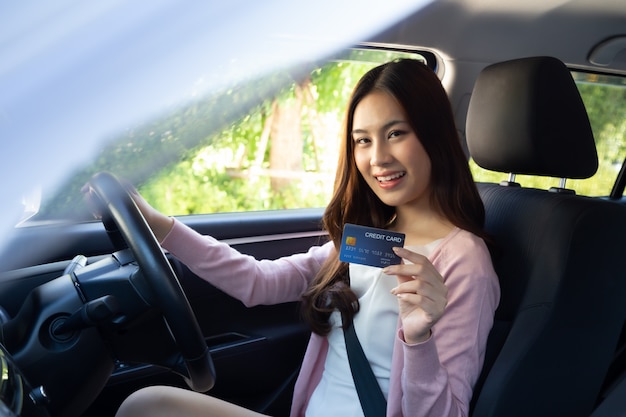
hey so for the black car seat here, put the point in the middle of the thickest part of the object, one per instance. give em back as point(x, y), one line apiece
point(560, 257)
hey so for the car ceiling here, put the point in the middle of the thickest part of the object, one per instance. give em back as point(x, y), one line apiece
point(487, 31)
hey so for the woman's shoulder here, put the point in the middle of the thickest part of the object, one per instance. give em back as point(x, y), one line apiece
point(463, 247)
point(462, 238)
point(464, 261)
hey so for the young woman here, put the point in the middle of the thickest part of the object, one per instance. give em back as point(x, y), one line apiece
point(423, 324)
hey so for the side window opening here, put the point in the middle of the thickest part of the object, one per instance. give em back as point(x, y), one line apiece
point(269, 144)
point(281, 155)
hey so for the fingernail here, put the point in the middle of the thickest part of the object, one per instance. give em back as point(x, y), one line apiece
point(389, 270)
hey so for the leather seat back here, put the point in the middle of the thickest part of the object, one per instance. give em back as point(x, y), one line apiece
point(559, 256)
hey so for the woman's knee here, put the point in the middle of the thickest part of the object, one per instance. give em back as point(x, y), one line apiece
point(157, 401)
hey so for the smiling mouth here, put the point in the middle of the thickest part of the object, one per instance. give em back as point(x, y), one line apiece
point(391, 177)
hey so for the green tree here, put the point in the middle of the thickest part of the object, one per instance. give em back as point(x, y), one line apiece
point(268, 143)
point(248, 164)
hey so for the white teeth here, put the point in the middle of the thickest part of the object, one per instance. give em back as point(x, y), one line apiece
point(390, 177)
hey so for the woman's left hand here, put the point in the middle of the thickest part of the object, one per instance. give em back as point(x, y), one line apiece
point(421, 293)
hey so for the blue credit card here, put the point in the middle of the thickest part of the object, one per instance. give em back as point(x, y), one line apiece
point(369, 246)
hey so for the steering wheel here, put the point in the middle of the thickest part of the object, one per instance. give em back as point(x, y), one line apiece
point(119, 210)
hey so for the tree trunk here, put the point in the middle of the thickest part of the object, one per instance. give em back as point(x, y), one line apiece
point(286, 141)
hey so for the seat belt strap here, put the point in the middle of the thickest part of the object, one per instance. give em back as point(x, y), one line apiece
point(371, 396)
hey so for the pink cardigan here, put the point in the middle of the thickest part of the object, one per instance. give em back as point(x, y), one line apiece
point(433, 378)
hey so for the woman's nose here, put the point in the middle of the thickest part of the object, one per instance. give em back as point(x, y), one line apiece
point(380, 154)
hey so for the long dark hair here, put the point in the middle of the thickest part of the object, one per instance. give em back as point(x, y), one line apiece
point(453, 191)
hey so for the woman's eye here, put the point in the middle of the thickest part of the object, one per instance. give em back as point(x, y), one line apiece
point(395, 133)
point(361, 141)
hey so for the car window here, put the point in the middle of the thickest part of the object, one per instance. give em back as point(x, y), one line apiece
point(277, 152)
point(604, 97)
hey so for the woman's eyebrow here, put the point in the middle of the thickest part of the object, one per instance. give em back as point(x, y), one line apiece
point(385, 126)
point(358, 131)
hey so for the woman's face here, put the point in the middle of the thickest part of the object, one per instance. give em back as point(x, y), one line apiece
point(388, 153)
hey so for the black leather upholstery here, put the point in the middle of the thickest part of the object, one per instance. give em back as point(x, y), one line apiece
point(527, 117)
point(559, 257)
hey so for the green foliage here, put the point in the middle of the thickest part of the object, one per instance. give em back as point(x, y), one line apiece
point(210, 182)
point(205, 185)
point(153, 148)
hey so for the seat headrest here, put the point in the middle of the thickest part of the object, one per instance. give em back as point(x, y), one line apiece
point(526, 116)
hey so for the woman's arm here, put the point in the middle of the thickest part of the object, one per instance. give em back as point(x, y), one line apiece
point(439, 373)
point(251, 281)
point(241, 276)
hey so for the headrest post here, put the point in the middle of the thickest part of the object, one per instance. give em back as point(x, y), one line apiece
point(511, 182)
point(561, 188)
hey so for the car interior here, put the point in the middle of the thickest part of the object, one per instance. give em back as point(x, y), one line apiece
point(92, 310)
point(520, 115)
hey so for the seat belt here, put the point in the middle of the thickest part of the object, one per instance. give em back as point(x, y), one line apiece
point(372, 400)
